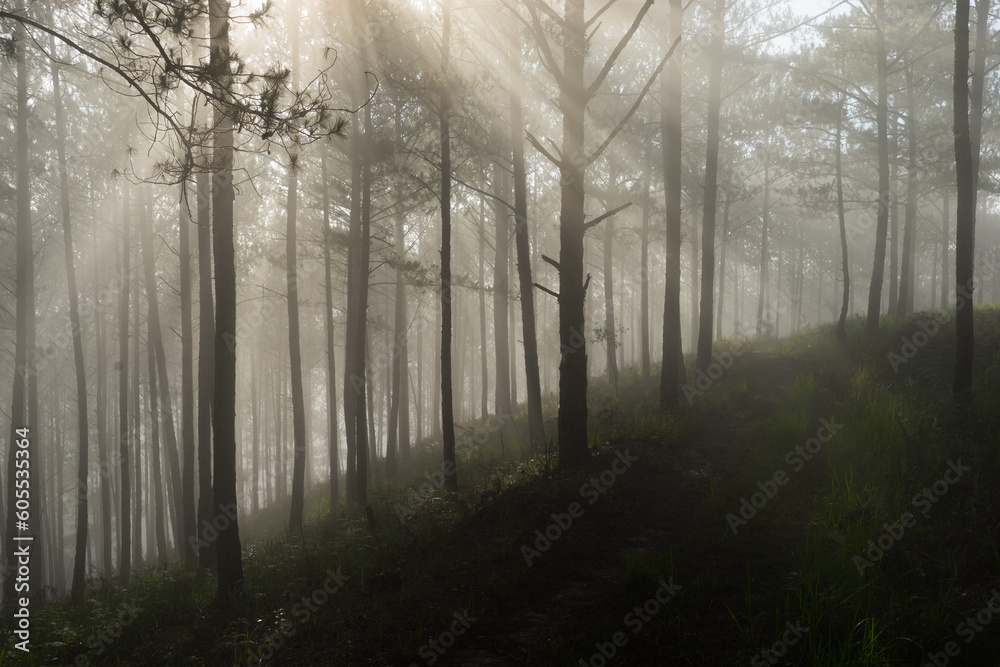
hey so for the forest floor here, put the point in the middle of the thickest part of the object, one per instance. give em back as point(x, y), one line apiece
point(775, 520)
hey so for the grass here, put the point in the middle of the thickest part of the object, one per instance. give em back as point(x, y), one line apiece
point(796, 561)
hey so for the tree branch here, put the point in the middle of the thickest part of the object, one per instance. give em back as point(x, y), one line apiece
point(543, 45)
point(599, 81)
point(649, 84)
point(551, 261)
point(601, 218)
point(546, 290)
point(160, 111)
point(541, 149)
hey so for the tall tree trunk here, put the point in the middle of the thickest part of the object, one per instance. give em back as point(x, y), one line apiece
point(206, 364)
point(25, 246)
point(156, 341)
point(536, 425)
point(765, 253)
point(483, 345)
point(611, 341)
point(188, 539)
point(351, 388)
point(572, 418)
point(968, 116)
point(501, 288)
point(399, 382)
point(136, 429)
point(670, 122)
point(845, 265)
point(331, 361)
point(107, 553)
point(125, 513)
point(893, 218)
point(362, 418)
point(154, 450)
point(882, 225)
point(945, 242)
point(727, 193)
point(294, 345)
point(704, 357)
point(906, 281)
point(229, 554)
point(447, 401)
point(644, 360)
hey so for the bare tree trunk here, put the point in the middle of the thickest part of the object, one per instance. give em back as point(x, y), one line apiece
point(125, 513)
point(501, 288)
point(206, 366)
point(154, 452)
point(107, 552)
point(906, 281)
point(294, 345)
point(704, 357)
point(483, 346)
point(536, 426)
point(611, 341)
point(136, 430)
point(331, 360)
point(945, 242)
point(968, 128)
point(893, 218)
point(572, 418)
point(881, 229)
point(447, 401)
point(764, 251)
point(845, 265)
point(25, 246)
point(188, 539)
point(670, 121)
point(156, 341)
point(229, 554)
point(644, 269)
point(727, 193)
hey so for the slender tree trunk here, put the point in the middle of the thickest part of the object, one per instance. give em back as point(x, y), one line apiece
point(136, 430)
point(611, 341)
point(945, 242)
point(229, 554)
point(704, 357)
point(644, 268)
point(294, 345)
point(906, 282)
point(206, 365)
point(727, 193)
point(154, 451)
point(351, 389)
point(188, 539)
point(107, 552)
point(670, 123)
point(364, 437)
point(331, 360)
point(893, 219)
point(483, 346)
point(156, 341)
point(966, 164)
point(447, 401)
point(881, 120)
point(501, 288)
point(845, 265)
point(536, 426)
point(765, 258)
point(25, 246)
point(125, 513)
